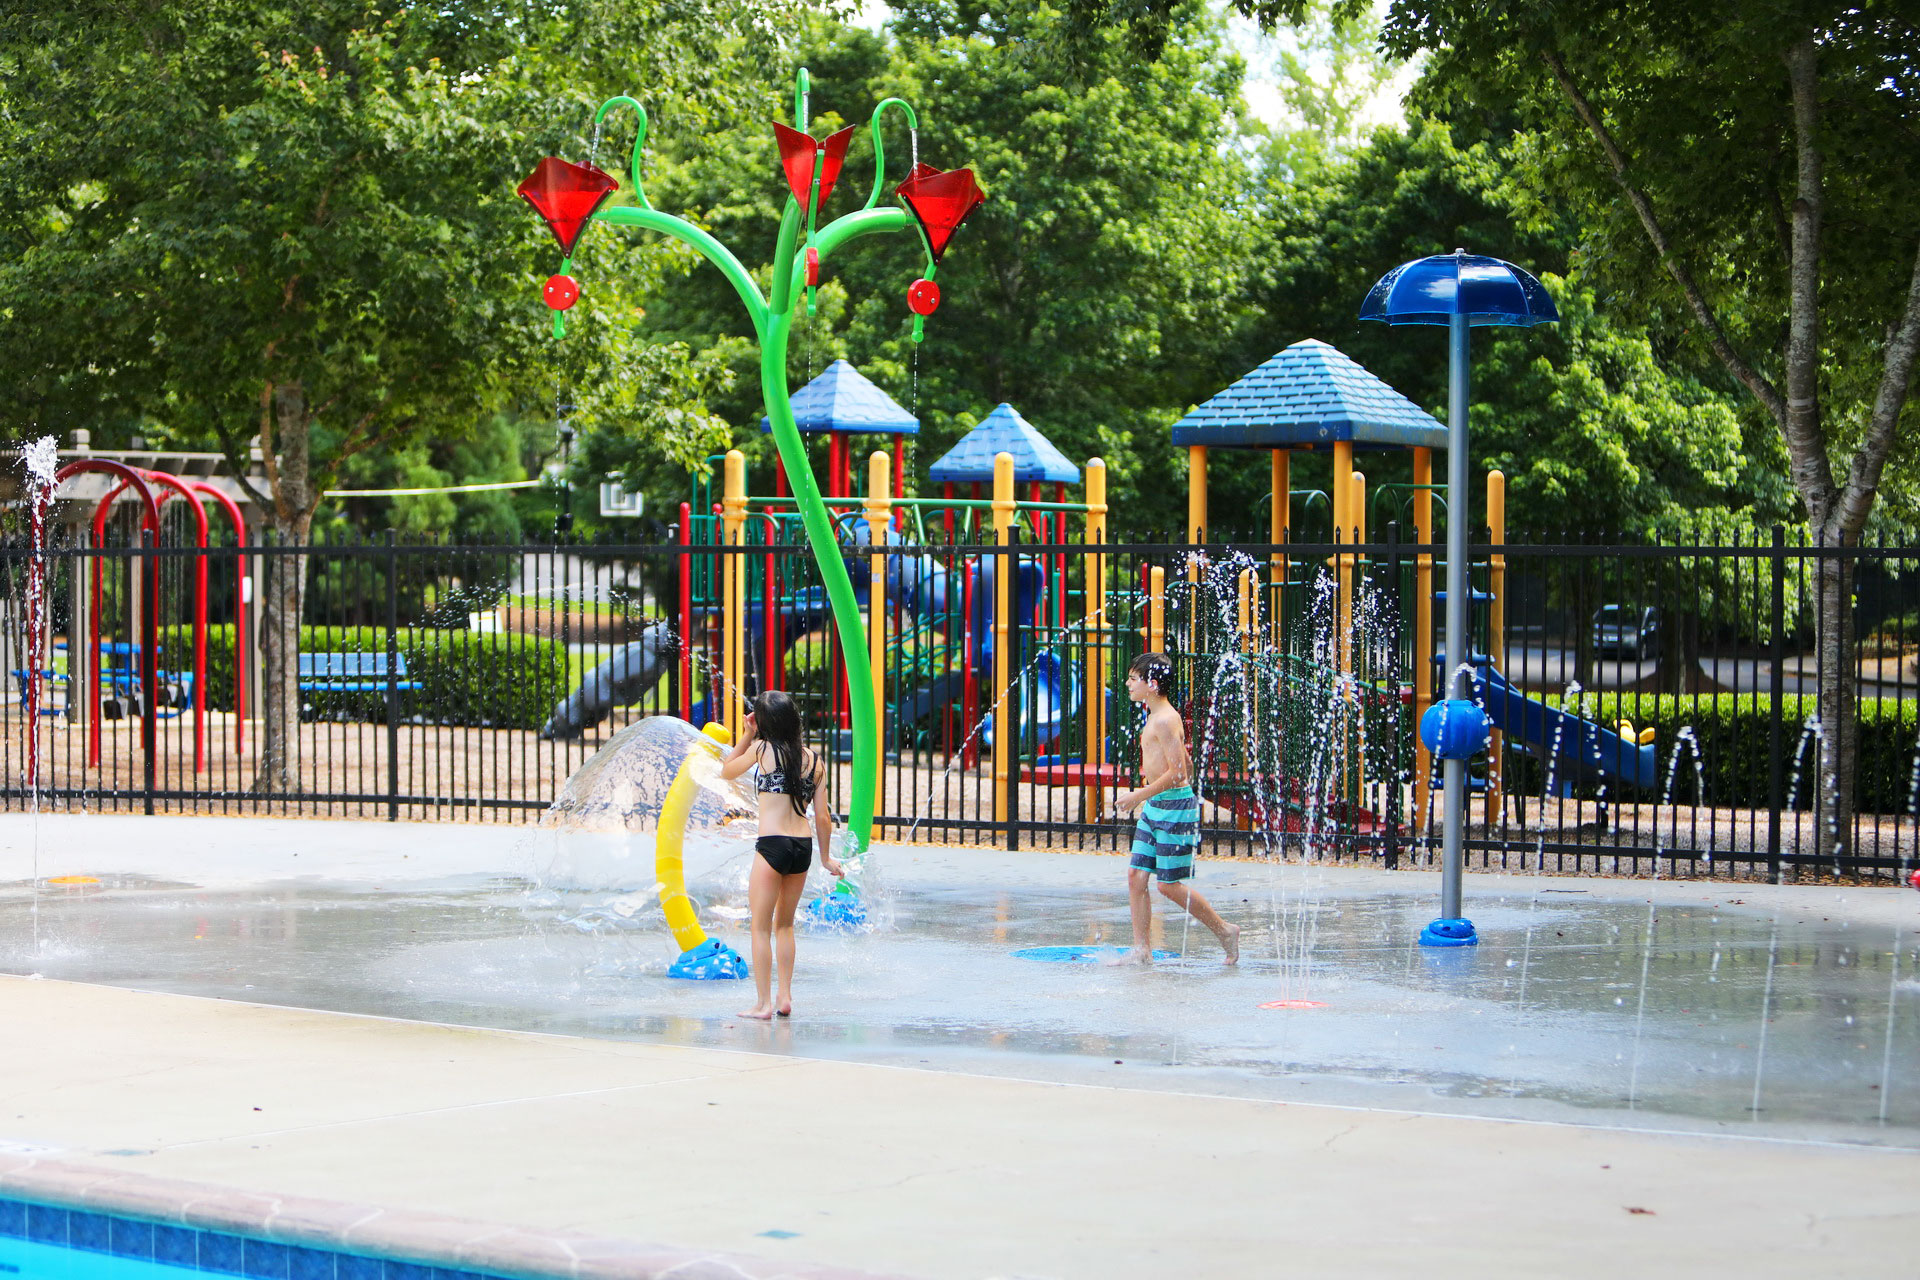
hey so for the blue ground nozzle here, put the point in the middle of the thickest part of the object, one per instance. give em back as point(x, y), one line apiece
point(711, 960)
point(1449, 933)
point(839, 909)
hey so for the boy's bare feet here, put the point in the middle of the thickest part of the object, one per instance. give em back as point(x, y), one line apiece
point(760, 1013)
point(786, 1009)
point(1231, 941)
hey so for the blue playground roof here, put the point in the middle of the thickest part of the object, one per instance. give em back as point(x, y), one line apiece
point(1310, 395)
point(841, 399)
point(1004, 431)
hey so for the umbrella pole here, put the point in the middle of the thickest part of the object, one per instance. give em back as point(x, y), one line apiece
point(1459, 644)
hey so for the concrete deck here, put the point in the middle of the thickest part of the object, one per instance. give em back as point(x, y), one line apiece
point(794, 1161)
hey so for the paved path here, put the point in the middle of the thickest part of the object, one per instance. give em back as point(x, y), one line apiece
point(917, 1172)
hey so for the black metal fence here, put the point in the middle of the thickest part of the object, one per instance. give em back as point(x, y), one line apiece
point(433, 683)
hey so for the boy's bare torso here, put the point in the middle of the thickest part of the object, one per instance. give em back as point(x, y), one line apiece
point(1163, 746)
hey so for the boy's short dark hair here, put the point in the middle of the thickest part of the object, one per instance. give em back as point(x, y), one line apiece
point(1156, 669)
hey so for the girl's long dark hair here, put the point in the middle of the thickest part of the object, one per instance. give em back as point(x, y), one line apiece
point(777, 720)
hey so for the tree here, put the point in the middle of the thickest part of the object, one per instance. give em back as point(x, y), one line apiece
point(298, 222)
point(1714, 147)
point(1097, 282)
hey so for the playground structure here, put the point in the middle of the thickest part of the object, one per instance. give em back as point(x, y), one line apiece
point(121, 593)
point(1304, 673)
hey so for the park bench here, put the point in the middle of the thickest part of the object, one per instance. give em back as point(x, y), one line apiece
point(352, 673)
point(119, 686)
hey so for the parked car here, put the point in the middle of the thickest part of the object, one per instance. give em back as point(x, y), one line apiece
point(1616, 632)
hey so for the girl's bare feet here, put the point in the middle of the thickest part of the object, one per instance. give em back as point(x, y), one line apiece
point(760, 1013)
point(785, 1010)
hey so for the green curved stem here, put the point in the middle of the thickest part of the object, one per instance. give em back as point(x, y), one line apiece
point(814, 516)
point(715, 252)
point(879, 149)
point(639, 140)
point(849, 226)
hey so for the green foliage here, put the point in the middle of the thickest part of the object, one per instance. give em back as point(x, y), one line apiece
point(1089, 291)
point(1697, 99)
point(469, 677)
point(1734, 736)
point(225, 217)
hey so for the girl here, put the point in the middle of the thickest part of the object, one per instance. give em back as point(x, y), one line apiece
point(785, 777)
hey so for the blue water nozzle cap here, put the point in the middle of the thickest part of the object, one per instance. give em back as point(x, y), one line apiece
point(836, 910)
point(1449, 933)
point(710, 961)
point(1455, 729)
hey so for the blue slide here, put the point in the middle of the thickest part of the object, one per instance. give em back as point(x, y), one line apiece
point(1582, 749)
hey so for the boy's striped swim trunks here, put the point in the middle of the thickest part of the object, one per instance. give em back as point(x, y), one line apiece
point(1167, 834)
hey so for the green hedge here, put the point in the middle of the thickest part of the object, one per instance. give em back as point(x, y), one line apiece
point(469, 677)
point(1734, 732)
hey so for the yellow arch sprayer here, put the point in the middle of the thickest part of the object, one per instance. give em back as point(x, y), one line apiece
point(700, 956)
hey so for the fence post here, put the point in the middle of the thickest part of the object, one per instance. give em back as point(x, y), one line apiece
point(1094, 795)
point(879, 512)
point(1004, 568)
point(150, 659)
point(685, 606)
point(1777, 782)
point(393, 689)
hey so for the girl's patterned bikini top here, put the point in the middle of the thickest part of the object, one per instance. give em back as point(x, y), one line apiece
point(774, 782)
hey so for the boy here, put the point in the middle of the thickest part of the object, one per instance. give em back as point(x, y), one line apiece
point(1169, 828)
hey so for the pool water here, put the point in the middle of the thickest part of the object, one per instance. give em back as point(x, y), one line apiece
point(1780, 1012)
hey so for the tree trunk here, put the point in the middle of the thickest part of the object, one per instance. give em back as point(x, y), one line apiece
point(1839, 721)
point(283, 596)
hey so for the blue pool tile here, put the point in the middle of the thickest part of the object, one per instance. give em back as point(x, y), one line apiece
point(177, 1246)
point(90, 1231)
point(222, 1253)
point(13, 1218)
point(309, 1264)
point(132, 1239)
point(265, 1260)
point(347, 1266)
point(48, 1226)
point(408, 1271)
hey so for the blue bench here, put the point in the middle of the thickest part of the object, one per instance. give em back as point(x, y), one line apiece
point(353, 673)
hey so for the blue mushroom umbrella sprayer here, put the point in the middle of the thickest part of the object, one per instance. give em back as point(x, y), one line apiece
point(1462, 291)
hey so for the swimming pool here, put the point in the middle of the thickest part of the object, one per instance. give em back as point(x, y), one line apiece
point(47, 1242)
point(1790, 1012)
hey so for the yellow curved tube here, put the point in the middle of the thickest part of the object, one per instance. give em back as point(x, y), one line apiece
point(669, 860)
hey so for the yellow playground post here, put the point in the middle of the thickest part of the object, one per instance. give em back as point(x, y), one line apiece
point(1004, 572)
point(1497, 622)
point(1095, 595)
point(733, 589)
